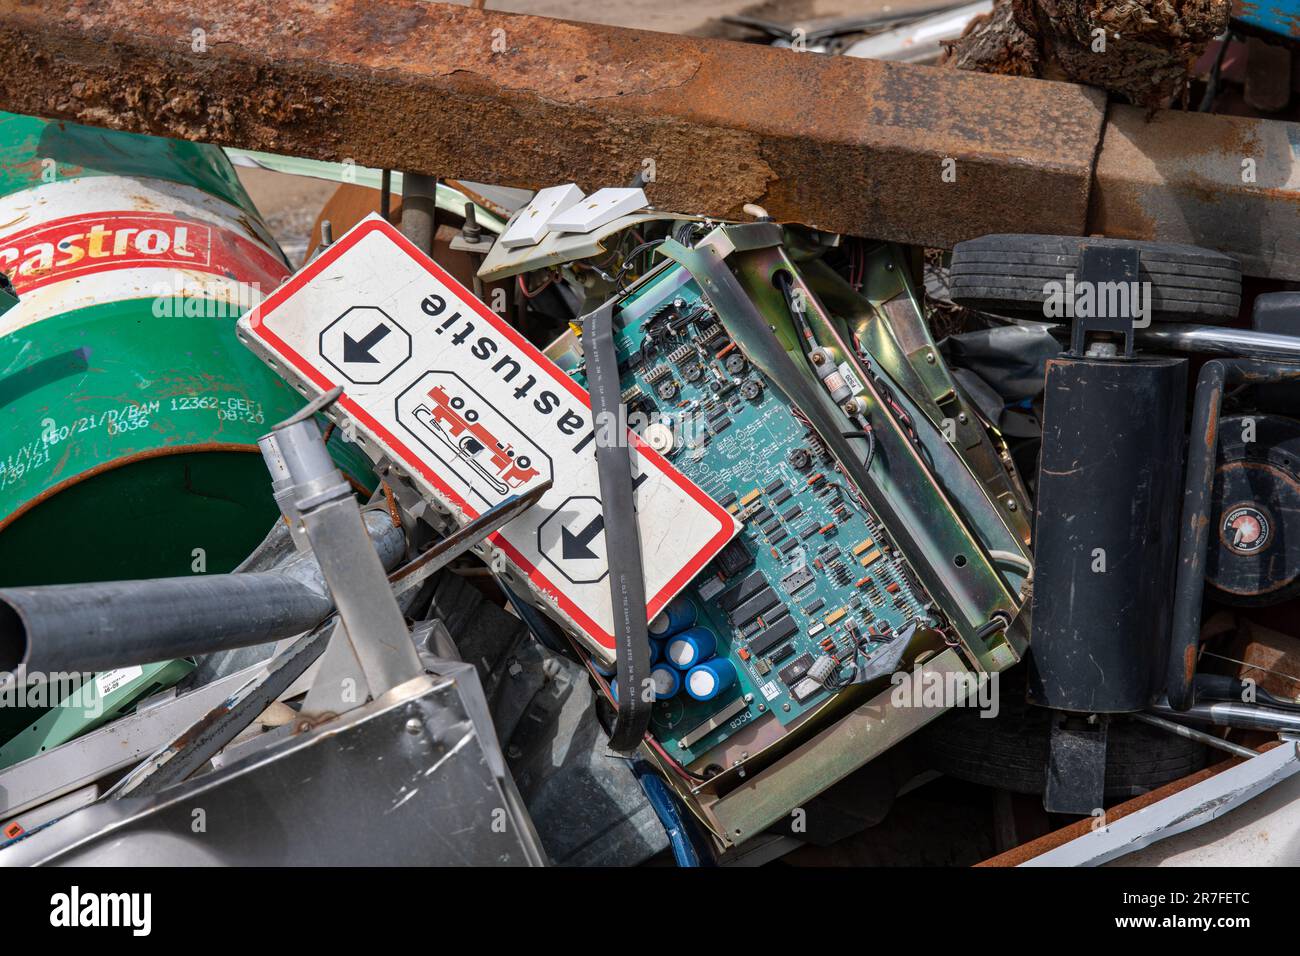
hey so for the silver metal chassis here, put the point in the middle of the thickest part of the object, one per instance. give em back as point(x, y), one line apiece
point(413, 778)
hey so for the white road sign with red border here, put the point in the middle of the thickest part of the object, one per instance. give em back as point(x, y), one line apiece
point(451, 392)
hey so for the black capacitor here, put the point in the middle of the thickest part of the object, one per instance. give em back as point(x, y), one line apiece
point(1106, 532)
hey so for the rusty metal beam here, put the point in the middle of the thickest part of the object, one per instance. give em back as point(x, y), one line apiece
point(847, 145)
point(1222, 182)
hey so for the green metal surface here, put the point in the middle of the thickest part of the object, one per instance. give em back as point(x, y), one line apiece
point(128, 428)
point(129, 418)
point(35, 151)
point(85, 708)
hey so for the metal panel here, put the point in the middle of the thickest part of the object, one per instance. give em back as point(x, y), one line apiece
point(120, 744)
point(829, 757)
point(844, 144)
point(440, 795)
point(1193, 807)
point(1222, 182)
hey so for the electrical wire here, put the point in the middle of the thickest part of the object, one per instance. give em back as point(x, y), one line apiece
point(1015, 560)
point(630, 259)
point(523, 286)
point(785, 282)
point(869, 435)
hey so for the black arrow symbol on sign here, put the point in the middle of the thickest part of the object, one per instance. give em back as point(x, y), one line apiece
point(574, 546)
point(354, 351)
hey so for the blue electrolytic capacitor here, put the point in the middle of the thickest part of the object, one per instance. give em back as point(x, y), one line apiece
point(708, 680)
point(656, 650)
point(667, 681)
point(678, 615)
point(691, 646)
point(603, 669)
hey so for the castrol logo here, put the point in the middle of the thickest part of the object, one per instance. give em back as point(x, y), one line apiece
point(81, 245)
point(81, 242)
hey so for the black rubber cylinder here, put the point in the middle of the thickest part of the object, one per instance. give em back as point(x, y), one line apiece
point(1106, 532)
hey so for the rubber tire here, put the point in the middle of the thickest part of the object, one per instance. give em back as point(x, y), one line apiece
point(1010, 751)
point(1005, 274)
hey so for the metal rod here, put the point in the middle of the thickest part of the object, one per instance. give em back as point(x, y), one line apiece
point(1193, 544)
point(1215, 340)
point(357, 580)
point(1232, 714)
point(419, 209)
point(75, 628)
point(1191, 733)
point(451, 547)
point(1194, 536)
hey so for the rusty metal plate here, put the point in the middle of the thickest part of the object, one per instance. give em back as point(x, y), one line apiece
point(1221, 182)
point(848, 145)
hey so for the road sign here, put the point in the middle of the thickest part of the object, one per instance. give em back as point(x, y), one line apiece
point(365, 344)
point(571, 539)
point(456, 396)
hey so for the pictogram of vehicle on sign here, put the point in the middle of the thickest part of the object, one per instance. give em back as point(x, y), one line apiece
point(365, 345)
point(572, 539)
point(468, 434)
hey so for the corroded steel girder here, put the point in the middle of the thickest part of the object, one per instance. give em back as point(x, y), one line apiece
point(907, 153)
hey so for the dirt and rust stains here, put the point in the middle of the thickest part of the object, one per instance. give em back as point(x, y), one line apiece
point(848, 145)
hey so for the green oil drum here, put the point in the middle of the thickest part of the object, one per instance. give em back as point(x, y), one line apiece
point(129, 412)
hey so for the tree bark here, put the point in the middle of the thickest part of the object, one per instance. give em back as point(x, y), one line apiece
point(1141, 50)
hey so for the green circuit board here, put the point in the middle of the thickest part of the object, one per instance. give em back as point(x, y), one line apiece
point(812, 572)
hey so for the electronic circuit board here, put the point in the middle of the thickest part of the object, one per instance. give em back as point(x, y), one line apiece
point(811, 574)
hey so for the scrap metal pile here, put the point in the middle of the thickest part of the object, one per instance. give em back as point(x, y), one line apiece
point(812, 431)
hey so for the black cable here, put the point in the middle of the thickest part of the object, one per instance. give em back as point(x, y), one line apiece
point(871, 444)
point(785, 282)
point(630, 259)
point(622, 540)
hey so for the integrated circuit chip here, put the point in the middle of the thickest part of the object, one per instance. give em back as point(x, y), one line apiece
point(793, 672)
point(754, 606)
point(735, 595)
point(781, 630)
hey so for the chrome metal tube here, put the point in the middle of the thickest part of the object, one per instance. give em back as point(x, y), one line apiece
point(920, 41)
point(1215, 340)
point(1190, 733)
point(1232, 714)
